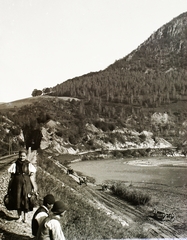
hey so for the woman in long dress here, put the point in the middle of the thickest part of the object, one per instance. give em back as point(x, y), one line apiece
point(21, 185)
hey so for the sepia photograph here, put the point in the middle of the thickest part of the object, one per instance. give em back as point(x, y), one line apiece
point(93, 119)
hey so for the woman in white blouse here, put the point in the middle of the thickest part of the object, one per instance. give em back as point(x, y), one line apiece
point(21, 185)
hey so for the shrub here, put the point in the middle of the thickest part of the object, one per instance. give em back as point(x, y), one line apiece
point(36, 92)
point(104, 126)
point(142, 136)
point(127, 153)
point(133, 196)
point(72, 139)
point(143, 152)
point(15, 131)
point(59, 133)
point(117, 154)
point(111, 126)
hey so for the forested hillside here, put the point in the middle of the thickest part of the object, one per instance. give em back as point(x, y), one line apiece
point(144, 91)
point(152, 75)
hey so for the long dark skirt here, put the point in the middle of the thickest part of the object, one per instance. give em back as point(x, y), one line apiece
point(21, 187)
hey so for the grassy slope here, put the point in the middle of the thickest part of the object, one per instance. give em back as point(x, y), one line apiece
point(82, 220)
point(86, 221)
point(27, 101)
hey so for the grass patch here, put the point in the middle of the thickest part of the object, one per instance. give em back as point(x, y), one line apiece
point(130, 194)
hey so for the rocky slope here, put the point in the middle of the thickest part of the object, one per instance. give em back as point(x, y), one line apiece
point(118, 139)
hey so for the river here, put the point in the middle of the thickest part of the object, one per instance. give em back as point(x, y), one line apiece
point(167, 171)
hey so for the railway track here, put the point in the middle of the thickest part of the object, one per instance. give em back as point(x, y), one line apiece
point(133, 215)
point(7, 160)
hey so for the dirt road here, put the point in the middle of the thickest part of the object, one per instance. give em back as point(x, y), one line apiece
point(172, 201)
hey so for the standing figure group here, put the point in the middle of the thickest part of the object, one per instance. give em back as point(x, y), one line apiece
point(45, 222)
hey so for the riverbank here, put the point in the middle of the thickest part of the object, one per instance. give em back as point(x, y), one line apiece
point(162, 162)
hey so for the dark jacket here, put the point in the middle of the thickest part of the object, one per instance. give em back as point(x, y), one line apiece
point(34, 223)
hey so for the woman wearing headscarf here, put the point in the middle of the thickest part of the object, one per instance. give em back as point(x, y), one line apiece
point(22, 185)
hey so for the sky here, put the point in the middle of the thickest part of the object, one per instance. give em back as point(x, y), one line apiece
point(46, 42)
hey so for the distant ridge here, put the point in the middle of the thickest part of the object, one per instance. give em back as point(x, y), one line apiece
point(152, 75)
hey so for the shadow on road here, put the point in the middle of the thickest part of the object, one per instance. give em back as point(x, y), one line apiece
point(4, 216)
point(8, 235)
point(5, 235)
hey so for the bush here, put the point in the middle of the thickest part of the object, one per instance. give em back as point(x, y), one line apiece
point(72, 140)
point(117, 154)
point(111, 126)
point(133, 196)
point(15, 131)
point(36, 92)
point(104, 126)
point(59, 133)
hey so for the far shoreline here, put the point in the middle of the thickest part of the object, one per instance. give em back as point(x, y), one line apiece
point(165, 162)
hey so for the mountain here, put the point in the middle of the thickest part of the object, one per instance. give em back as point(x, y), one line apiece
point(136, 102)
point(152, 75)
point(165, 49)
